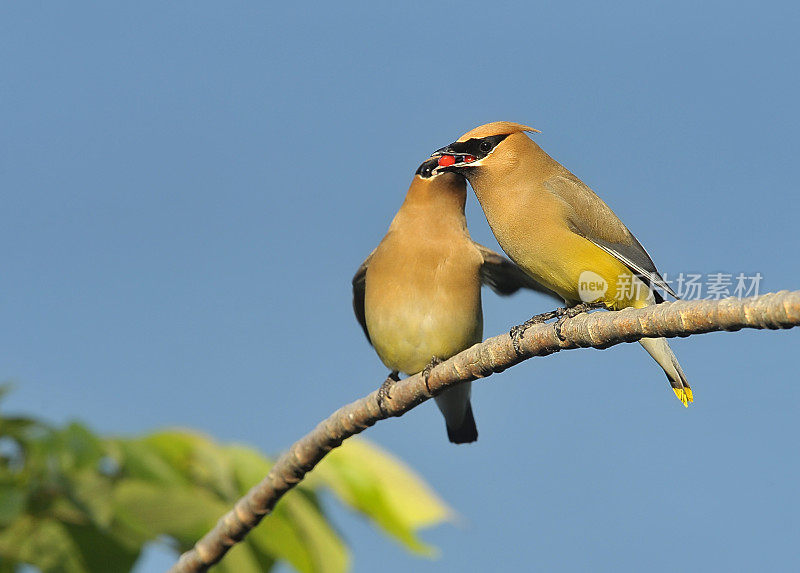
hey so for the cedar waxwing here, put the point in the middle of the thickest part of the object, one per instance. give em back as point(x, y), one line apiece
point(554, 227)
point(418, 294)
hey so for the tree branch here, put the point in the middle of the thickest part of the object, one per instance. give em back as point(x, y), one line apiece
point(598, 330)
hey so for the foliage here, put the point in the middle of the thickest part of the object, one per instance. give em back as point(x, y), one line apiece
point(73, 501)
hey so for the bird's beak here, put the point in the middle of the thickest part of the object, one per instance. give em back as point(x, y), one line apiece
point(446, 150)
point(453, 157)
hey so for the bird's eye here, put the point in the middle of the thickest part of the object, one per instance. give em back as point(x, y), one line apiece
point(485, 146)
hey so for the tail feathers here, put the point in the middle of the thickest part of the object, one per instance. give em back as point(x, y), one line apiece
point(455, 406)
point(659, 349)
point(467, 432)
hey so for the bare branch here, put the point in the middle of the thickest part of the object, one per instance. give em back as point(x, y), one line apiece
point(598, 330)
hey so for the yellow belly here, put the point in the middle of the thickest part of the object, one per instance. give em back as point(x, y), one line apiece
point(579, 271)
point(407, 339)
point(420, 307)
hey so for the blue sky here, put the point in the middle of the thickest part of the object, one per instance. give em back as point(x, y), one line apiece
point(189, 187)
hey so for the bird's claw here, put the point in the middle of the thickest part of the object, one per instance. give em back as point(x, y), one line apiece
point(384, 392)
point(517, 333)
point(559, 323)
point(426, 372)
point(571, 312)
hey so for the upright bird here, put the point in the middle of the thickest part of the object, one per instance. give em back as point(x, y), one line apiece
point(555, 227)
point(418, 294)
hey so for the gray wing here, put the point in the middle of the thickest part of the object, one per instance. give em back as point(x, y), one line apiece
point(592, 219)
point(639, 262)
point(359, 288)
point(504, 277)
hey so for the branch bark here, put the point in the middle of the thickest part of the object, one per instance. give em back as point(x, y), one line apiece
point(598, 330)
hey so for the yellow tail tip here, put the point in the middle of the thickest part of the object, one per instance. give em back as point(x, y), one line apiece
point(684, 395)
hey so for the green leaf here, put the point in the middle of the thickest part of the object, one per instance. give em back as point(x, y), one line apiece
point(325, 549)
point(249, 467)
point(78, 447)
point(242, 559)
point(197, 457)
point(138, 460)
point(296, 530)
point(16, 427)
point(71, 501)
point(43, 543)
point(384, 489)
point(12, 504)
point(92, 493)
point(185, 513)
point(102, 550)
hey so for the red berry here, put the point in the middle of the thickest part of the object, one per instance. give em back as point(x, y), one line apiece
point(446, 160)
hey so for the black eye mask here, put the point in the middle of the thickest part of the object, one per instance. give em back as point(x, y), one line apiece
point(466, 152)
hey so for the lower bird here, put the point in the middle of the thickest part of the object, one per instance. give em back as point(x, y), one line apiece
point(418, 294)
point(558, 230)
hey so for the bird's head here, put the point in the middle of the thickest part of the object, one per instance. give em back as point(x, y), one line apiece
point(437, 185)
point(491, 144)
point(428, 174)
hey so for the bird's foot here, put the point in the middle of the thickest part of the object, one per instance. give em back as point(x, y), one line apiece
point(517, 333)
point(426, 372)
point(385, 389)
point(573, 311)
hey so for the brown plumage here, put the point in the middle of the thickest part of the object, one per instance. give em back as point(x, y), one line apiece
point(418, 294)
point(557, 229)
